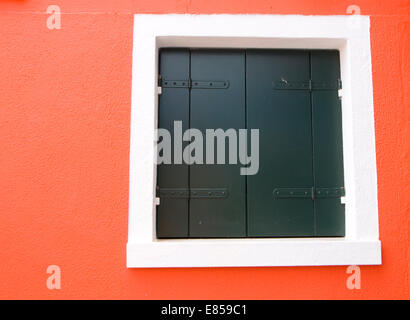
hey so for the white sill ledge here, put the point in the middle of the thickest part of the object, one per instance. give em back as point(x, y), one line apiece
point(252, 253)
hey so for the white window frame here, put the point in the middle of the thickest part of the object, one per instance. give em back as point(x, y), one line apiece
point(350, 35)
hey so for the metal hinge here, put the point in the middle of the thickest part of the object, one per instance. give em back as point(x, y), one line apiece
point(194, 84)
point(311, 192)
point(193, 193)
point(159, 85)
point(310, 85)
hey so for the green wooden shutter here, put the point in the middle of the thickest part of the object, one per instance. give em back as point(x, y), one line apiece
point(291, 97)
point(327, 146)
point(172, 213)
point(285, 151)
point(213, 108)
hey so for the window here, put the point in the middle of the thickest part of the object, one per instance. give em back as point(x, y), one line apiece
point(291, 97)
point(154, 33)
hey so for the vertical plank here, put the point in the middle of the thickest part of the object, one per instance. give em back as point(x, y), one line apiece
point(172, 214)
point(327, 142)
point(213, 109)
point(284, 120)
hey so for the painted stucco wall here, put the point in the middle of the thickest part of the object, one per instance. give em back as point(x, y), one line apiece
point(64, 148)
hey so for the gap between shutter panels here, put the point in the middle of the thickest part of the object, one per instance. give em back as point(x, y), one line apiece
point(313, 146)
point(277, 85)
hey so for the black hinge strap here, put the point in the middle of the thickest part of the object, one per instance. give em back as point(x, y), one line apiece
point(312, 193)
point(165, 83)
point(209, 84)
point(195, 84)
point(307, 85)
point(329, 192)
point(193, 193)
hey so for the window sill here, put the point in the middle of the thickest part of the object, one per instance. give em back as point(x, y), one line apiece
point(252, 253)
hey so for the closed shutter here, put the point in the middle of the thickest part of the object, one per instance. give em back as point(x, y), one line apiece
point(291, 96)
point(216, 106)
point(327, 143)
point(172, 213)
point(285, 151)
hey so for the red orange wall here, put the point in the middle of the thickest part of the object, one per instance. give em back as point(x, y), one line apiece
point(64, 145)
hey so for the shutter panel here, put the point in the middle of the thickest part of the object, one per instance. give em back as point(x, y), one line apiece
point(212, 108)
point(291, 97)
point(328, 145)
point(172, 213)
point(285, 152)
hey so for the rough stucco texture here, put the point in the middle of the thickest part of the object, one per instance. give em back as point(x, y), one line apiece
point(64, 145)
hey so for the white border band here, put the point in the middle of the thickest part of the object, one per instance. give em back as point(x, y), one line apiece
point(350, 35)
